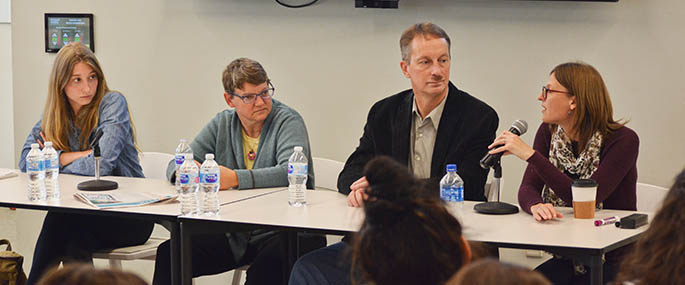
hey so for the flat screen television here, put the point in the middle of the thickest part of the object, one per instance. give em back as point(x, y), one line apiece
point(64, 28)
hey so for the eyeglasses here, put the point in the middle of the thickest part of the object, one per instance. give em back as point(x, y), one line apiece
point(250, 98)
point(546, 90)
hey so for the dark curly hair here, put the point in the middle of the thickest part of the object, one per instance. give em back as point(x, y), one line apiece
point(659, 254)
point(410, 232)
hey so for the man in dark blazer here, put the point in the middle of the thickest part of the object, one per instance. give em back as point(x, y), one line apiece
point(426, 127)
point(466, 129)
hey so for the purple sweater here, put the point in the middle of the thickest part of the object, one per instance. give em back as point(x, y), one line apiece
point(616, 173)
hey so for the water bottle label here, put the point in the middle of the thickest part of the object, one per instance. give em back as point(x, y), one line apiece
point(450, 193)
point(210, 178)
point(460, 194)
point(301, 169)
point(184, 179)
point(51, 163)
point(180, 159)
point(34, 165)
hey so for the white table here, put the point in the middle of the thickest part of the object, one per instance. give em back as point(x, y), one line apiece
point(13, 194)
point(327, 212)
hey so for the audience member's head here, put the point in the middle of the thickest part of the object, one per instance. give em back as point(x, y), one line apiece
point(658, 257)
point(408, 237)
point(86, 274)
point(489, 271)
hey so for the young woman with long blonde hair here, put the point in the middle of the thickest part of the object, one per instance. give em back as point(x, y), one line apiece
point(80, 103)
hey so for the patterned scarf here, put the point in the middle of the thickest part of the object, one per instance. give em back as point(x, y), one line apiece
point(561, 156)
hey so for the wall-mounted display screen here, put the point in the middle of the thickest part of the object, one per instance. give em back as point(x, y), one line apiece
point(61, 29)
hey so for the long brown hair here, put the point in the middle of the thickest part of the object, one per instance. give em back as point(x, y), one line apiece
point(58, 114)
point(594, 111)
point(658, 255)
point(411, 232)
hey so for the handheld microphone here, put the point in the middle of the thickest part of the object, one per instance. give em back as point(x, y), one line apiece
point(519, 127)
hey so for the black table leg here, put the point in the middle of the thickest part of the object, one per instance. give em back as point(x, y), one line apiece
point(290, 251)
point(596, 270)
point(175, 234)
point(186, 254)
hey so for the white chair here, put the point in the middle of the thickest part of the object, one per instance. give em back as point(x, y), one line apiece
point(147, 251)
point(326, 173)
point(154, 165)
point(649, 197)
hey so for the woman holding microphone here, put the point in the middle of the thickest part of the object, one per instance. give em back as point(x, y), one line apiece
point(578, 139)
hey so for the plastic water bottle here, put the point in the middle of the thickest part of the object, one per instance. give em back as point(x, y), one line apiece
point(36, 173)
point(183, 150)
point(452, 188)
point(297, 178)
point(51, 163)
point(209, 183)
point(188, 181)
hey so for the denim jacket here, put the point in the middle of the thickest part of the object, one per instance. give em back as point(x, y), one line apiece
point(119, 156)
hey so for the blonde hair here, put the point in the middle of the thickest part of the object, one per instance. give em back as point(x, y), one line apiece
point(594, 111)
point(58, 114)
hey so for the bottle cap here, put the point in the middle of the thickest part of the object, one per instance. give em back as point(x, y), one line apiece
point(298, 148)
point(451, 168)
point(48, 143)
point(209, 156)
point(184, 140)
point(35, 145)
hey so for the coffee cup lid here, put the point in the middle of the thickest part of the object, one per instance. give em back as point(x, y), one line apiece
point(584, 183)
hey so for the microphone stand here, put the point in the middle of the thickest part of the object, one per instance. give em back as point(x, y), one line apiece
point(496, 207)
point(97, 184)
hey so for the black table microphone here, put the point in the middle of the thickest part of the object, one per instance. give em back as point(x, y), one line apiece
point(97, 184)
point(495, 207)
point(519, 127)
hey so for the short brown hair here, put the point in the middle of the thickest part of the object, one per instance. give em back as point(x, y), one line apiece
point(423, 29)
point(86, 274)
point(243, 70)
point(492, 272)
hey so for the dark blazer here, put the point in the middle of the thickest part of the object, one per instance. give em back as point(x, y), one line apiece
point(466, 128)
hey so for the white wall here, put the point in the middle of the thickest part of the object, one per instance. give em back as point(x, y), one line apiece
point(6, 109)
point(332, 61)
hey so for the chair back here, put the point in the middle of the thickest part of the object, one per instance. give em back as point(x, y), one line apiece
point(326, 172)
point(154, 164)
point(649, 197)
